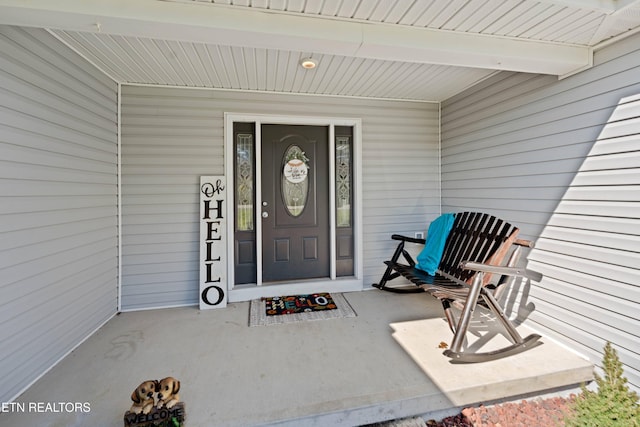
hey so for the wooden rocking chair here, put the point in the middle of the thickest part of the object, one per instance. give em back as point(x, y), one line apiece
point(474, 250)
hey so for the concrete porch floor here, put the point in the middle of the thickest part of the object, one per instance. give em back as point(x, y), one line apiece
point(336, 372)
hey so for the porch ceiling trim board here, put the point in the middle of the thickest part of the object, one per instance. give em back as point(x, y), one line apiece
point(249, 27)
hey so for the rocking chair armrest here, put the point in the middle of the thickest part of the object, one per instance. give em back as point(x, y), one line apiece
point(505, 271)
point(526, 243)
point(408, 239)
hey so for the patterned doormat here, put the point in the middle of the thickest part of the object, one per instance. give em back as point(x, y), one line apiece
point(299, 308)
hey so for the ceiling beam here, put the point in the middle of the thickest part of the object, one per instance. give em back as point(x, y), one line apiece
point(234, 26)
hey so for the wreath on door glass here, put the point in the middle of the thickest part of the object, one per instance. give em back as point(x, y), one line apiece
point(295, 153)
point(296, 165)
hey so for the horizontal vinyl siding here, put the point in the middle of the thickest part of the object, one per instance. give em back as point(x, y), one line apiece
point(561, 159)
point(172, 136)
point(58, 204)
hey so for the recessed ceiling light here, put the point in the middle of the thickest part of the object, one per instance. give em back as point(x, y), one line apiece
point(308, 63)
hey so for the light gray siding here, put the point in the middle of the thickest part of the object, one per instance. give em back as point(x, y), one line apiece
point(58, 204)
point(562, 160)
point(172, 136)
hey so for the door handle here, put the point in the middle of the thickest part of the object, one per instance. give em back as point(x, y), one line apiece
point(265, 214)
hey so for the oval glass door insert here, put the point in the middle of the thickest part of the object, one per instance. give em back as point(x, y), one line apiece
point(295, 183)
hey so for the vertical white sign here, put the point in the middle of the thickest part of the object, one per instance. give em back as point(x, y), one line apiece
point(213, 243)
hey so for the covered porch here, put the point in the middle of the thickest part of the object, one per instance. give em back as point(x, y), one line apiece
point(383, 364)
point(112, 111)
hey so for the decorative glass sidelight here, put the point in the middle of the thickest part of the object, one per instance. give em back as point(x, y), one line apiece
point(245, 159)
point(343, 181)
point(295, 183)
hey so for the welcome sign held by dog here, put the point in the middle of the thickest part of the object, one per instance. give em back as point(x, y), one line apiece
point(157, 417)
point(213, 243)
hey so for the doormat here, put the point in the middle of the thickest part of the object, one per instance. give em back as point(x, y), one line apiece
point(299, 308)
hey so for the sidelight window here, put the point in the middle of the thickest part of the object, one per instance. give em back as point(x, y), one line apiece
point(343, 181)
point(245, 158)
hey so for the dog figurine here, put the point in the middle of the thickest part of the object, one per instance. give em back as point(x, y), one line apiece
point(168, 392)
point(143, 397)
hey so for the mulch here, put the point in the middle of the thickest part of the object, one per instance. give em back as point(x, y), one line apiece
point(526, 413)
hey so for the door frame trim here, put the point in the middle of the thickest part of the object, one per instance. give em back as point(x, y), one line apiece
point(332, 283)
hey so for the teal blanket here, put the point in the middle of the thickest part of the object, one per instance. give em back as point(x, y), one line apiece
point(429, 259)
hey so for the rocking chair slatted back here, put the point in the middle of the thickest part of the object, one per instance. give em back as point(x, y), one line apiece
point(476, 237)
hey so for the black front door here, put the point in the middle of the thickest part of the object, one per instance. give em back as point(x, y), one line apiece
point(295, 202)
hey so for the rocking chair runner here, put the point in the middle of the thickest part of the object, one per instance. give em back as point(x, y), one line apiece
point(474, 250)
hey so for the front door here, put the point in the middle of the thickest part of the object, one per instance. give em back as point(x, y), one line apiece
point(295, 202)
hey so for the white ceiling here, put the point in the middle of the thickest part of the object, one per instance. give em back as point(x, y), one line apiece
point(426, 50)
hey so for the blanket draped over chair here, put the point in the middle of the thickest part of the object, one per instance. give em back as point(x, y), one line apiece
point(437, 234)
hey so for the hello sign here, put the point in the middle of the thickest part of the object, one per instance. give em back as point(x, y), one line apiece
point(213, 243)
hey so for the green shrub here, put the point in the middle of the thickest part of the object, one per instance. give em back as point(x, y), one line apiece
point(612, 405)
